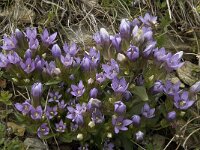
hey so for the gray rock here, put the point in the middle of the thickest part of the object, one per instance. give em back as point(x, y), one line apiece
point(34, 144)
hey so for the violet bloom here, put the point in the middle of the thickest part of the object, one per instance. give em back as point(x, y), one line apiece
point(54, 97)
point(171, 89)
point(78, 90)
point(24, 107)
point(76, 114)
point(132, 53)
point(86, 63)
point(147, 111)
point(76, 61)
point(119, 107)
point(182, 101)
point(158, 87)
point(171, 116)
point(174, 62)
point(56, 51)
point(116, 42)
point(31, 33)
point(33, 43)
point(36, 89)
point(93, 93)
point(161, 55)
point(149, 48)
point(9, 43)
point(19, 35)
point(100, 77)
point(61, 126)
point(119, 85)
point(108, 146)
point(36, 113)
point(51, 68)
point(51, 112)
point(48, 39)
point(142, 34)
point(39, 63)
point(67, 60)
point(3, 60)
point(136, 119)
point(62, 105)
point(94, 56)
point(139, 136)
point(28, 66)
point(125, 29)
point(139, 80)
point(93, 103)
point(43, 130)
point(97, 117)
point(111, 69)
point(148, 19)
point(102, 37)
point(195, 88)
point(28, 54)
point(72, 50)
point(120, 123)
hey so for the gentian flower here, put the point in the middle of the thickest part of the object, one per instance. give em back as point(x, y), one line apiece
point(171, 89)
point(72, 49)
point(51, 112)
point(13, 58)
point(139, 136)
point(93, 103)
point(67, 60)
point(97, 116)
point(24, 107)
point(147, 111)
point(31, 33)
point(36, 113)
point(158, 87)
point(78, 90)
point(111, 69)
point(54, 97)
point(100, 77)
point(195, 88)
point(102, 37)
point(108, 146)
point(120, 123)
point(9, 43)
point(161, 55)
point(136, 119)
point(56, 51)
point(60, 127)
point(18, 34)
point(171, 115)
point(36, 89)
point(116, 42)
point(3, 61)
point(76, 114)
point(93, 93)
point(48, 39)
point(125, 29)
point(28, 66)
point(119, 85)
point(62, 105)
point(132, 53)
point(43, 130)
point(148, 19)
point(33, 43)
point(182, 101)
point(51, 68)
point(39, 63)
point(119, 107)
point(149, 48)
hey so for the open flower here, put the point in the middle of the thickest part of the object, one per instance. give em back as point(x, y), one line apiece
point(78, 90)
point(43, 130)
point(119, 85)
point(111, 69)
point(28, 66)
point(51, 112)
point(61, 126)
point(148, 19)
point(48, 39)
point(119, 107)
point(36, 113)
point(24, 107)
point(9, 43)
point(54, 96)
point(147, 111)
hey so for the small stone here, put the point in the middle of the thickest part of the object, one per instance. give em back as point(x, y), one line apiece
point(34, 144)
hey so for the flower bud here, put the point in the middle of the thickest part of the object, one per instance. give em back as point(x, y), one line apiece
point(36, 92)
point(171, 116)
point(93, 93)
point(93, 103)
point(56, 52)
point(119, 107)
point(158, 87)
point(109, 135)
point(195, 88)
point(139, 136)
point(132, 53)
point(105, 38)
point(136, 120)
point(28, 54)
point(91, 124)
point(125, 28)
point(90, 81)
point(120, 57)
point(80, 136)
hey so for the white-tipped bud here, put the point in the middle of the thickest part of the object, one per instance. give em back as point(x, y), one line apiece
point(91, 124)
point(90, 81)
point(121, 57)
point(80, 136)
point(109, 135)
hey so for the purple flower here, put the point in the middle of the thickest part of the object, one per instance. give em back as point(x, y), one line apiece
point(136, 119)
point(36, 113)
point(93, 93)
point(139, 136)
point(78, 90)
point(161, 55)
point(158, 87)
point(43, 130)
point(111, 69)
point(13, 58)
point(171, 116)
point(182, 101)
point(39, 63)
point(36, 89)
point(97, 116)
point(119, 107)
point(31, 33)
point(195, 88)
point(3, 61)
point(9, 43)
point(149, 48)
point(139, 80)
point(108, 146)
point(76, 114)
point(132, 53)
point(51, 68)
point(56, 51)
point(72, 49)
point(119, 85)
point(148, 19)
point(102, 37)
point(67, 60)
point(60, 127)
point(125, 29)
point(28, 66)
point(120, 123)
point(54, 97)
point(24, 107)
point(171, 89)
point(48, 39)
point(51, 112)
point(141, 35)
point(93, 103)
point(19, 35)
point(147, 111)
point(116, 42)
point(174, 62)
point(62, 105)
point(135, 22)
point(100, 77)
point(33, 43)
point(127, 95)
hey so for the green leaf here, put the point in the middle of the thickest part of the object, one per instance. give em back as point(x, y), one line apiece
point(140, 91)
point(52, 82)
point(5, 97)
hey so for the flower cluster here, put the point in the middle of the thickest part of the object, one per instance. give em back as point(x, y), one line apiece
point(103, 91)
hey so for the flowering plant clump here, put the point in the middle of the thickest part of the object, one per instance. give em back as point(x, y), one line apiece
point(106, 96)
